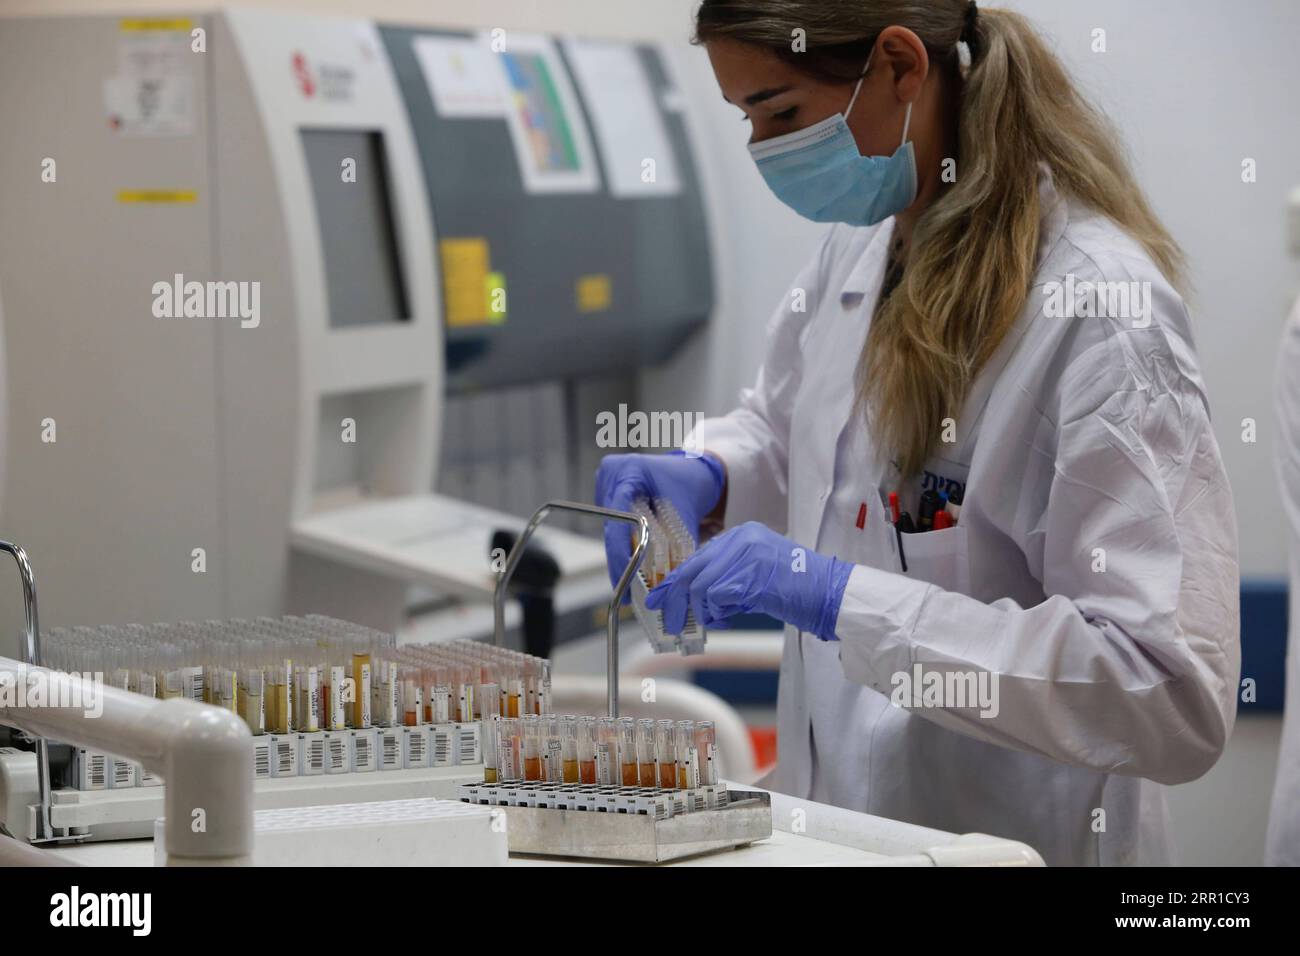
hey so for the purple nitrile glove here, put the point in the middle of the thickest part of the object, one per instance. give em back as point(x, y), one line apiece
point(692, 483)
point(752, 568)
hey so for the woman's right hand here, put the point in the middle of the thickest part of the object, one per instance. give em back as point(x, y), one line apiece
point(693, 483)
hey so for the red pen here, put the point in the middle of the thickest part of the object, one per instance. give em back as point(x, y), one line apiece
point(862, 516)
point(942, 520)
point(893, 505)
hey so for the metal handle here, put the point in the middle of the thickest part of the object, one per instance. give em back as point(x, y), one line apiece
point(32, 655)
point(638, 551)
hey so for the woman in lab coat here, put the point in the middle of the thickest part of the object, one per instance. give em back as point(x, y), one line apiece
point(995, 316)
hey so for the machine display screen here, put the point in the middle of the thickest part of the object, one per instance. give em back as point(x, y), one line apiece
point(349, 181)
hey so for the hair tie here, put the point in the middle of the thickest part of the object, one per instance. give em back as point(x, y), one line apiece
point(972, 16)
point(963, 59)
point(966, 42)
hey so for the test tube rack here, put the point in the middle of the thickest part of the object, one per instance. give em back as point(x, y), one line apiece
point(105, 797)
point(633, 824)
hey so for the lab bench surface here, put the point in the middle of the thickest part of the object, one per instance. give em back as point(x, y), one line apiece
point(781, 849)
point(804, 833)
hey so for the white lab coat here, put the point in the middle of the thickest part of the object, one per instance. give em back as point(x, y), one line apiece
point(1283, 848)
point(1080, 434)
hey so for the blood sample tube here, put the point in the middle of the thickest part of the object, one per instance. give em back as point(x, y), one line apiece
point(491, 730)
point(627, 751)
point(706, 747)
point(587, 750)
point(509, 751)
point(645, 753)
point(688, 767)
point(666, 754)
point(532, 748)
point(606, 751)
point(569, 749)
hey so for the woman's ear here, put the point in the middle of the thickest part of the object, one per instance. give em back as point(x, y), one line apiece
point(902, 53)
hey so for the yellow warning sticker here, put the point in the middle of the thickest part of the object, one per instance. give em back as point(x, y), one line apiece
point(465, 287)
point(158, 195)
point(594, 292)
point(145, 24)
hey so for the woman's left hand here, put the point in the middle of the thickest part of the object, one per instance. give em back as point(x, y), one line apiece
point(752, 568)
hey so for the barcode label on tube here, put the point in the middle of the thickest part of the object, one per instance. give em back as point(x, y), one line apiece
point(391, 748)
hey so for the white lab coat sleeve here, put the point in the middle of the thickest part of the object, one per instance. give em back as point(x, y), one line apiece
point(1128, 667)
point(753, 441)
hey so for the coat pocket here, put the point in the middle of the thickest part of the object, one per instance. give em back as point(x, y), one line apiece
point(939, 558)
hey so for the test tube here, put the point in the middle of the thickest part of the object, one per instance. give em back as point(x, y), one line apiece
point(483, 705)
point(706, 747)
point(337, 718)
point(514, 693)
point(170, 678)
point(252, 702)
point(660, 540)
point(491, 720)
point(272, 688)
point(307, 706)
point(545, 691)
point(443, 708)
point(688, 767)
point(569, 749)
point(464, 687)
point(361, 713)
point(228, 689)
point(645, 752)
point(606, 751)
point(666, 754)
point(508, 750)
point(531, 682)
point(627, 750)
point(553, 755)
point(145, 681)
point(389, 712)
point(429, 690)
point(409, 681)
point(532, 748)
point(120, 676)
point(587, 750)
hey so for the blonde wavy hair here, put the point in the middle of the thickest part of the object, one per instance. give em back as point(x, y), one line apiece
point(973, 252)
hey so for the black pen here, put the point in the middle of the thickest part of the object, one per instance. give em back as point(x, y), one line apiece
point(901, 527)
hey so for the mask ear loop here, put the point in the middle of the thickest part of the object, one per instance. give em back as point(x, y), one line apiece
point(858, 89)
point(907, 118)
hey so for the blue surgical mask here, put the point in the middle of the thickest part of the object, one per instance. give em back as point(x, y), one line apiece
point(819, 173)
